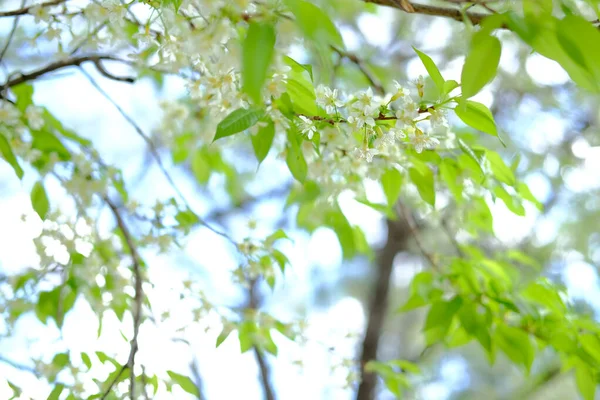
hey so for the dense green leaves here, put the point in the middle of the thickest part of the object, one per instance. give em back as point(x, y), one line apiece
point(9, 156)
point(184, 382)
point(478, 116)
point(480, 65)
point(39, 200)
point(516, 344)
point(238, 121)
point(258, 49)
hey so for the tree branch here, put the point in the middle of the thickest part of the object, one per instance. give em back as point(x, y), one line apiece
point(11, 34)
point(25, 10)
point(138, 298)
point(361, 66)
point(398, 235)
point(425, 9)
point(265, 372)
point(57, 65)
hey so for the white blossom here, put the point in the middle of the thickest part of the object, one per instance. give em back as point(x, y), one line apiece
point(307, 127)
point(365, 153)
point(9, 114)
point(328, 99)
point(35, 117)
point(407, 114)
point(421, 141)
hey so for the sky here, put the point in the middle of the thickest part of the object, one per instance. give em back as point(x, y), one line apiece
point(75, 102)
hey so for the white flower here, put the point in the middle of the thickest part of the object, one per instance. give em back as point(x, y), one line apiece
point(116, 11)
point(421, 141)
point(420, 84)
point(365, 101)
point(35, 117)
point(328, 99)
point(307, 127)
point(361, 120)
point(366, 154)
point(394, 134)
point(277, 85)
point(407, 114)
point(401, 92)
point(40, 13)
point(9, 115)
point(438, 118)
point(53, 33)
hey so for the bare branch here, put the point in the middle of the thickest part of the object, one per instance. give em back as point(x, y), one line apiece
point(453, 13)
point(25, 10)
point(11, 34)
point(361, 66)
point(154, 152)
point(265, 373)
point(57, 65)
point(397, 238)
point(138, 298)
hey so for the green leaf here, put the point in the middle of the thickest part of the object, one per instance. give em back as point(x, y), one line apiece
point(516, 344)
point(526, 194)
point(586, 384)
point(543, 293)
point(295, 158)
point(391, 181)
point(238, 121)
point(440, 318)
point(9, 156)
point(280, 258)
point(274, 237)
point(262, 141)
point(257, 54)
point(246, 333)
point(449, 86)
point(449, 173)
point(223, 336)
point(54, 395)
point(585, 53)
point(24, 94)
point(314, 23)
point(39, 200)
point(477, 116)
point(382, 208)
point(481, 64)
point(342, 228)
point(184, 382)
point(432, 70)
point(501, 171)
point(423, 179)
point(302, 94)
point(48, 143)
point(86, 360)
point(201, 166)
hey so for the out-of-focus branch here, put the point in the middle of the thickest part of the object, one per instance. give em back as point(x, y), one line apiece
point(398, 235)
point(425, 9)
point(57, 65)
point(11, 34)
point(197, 378)
point(138, 298)
point(263, 366)
point(25, 10)
point(153, 151)
point(363, 69)
point(20, 367)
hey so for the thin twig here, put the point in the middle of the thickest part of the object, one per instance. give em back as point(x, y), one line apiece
point(11, 33)
point(154, 152)
point(138, 298)
point(265, 373)
point(25, 10)
point(19, 366)
point(57, 65)
point(360, 64)
point(415, 232)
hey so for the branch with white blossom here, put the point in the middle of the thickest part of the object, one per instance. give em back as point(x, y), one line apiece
point(26, 10)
